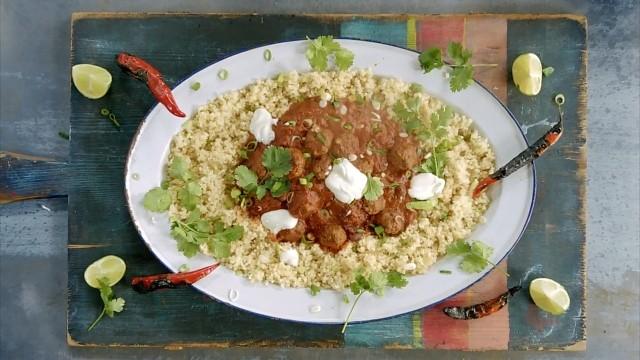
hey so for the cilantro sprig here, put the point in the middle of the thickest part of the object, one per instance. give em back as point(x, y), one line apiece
point(195, 231)
point(111, 304)
point(277, 161)
point(461, 74)
point(375, 283)
point(373, 188)
point(475, 255)
point(436, 134)
point(322, 49)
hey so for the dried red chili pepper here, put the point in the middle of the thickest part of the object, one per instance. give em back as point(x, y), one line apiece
point(144, 71)
point(145, 284)
point(525, 157)
point(483, 309)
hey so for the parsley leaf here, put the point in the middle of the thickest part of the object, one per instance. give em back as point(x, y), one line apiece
point(277, 160)
point(375, 283)
point(431, 59)
point(246, 178)
point(373, 189)
point(321, 49)
point(111, 304)
point(179, 169)
point(314, 289)
point(475, 255)
point(157, 200)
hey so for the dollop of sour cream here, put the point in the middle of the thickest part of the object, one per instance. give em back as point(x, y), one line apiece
point(289, 257)
point(277, 220)
point(261, 126)
point(424, 186)
point(346, 182)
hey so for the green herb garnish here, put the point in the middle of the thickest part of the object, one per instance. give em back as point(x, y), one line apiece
point(189, 195)
point(321, 49)
point(112, 304)
point(195, 86)
point(277, 160)
point(223, 74)
point(548, 71)
point(63, 135)
point(267, 55)
point(314, 290)
point(246, 178)
point(179, 169)
point(445, 272)
point(373, 189)
point(195, 231)
point(421, 205)
point(157, 200)
point(375, 283)
point(461, 74)
point(475, 255)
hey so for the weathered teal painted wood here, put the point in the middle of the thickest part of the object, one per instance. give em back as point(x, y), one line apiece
point(554, 244)
point(27, 177)
point(177, 45)
point(388, 31)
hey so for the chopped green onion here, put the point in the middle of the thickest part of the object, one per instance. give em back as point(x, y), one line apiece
point(421, 205)
point(320, 137)
point(415, 88)
point(223, 74)
point(314, 289)
point(63, 135)
point(306, 155)
point(195, 86)
point(559, 99)
point(243, 154)
point(104, 112)
point(290, 123)
point(548, 71)
point(336, 161)
point(302, 181)
point(183, 268)
point(251, 146)
point(334, 118)
point(235, 193)
point(345, 298)
point(112, 118)
point(445, 272)
point(394, 185)
point(267, 55)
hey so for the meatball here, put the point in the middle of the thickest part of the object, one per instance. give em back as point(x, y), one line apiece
point(392, 220)
point(321, 166)
point(355, 217)
point(304, 203)
point(382, 133)
point(345, 144)
point(254, 162)
point(375, 206)
point(292, 235)
point(320, 219)
point(318, 141)
point(365, 164)
point(297, 164)
point(404, 154)
point(289, 133)
point(332, 237)
point(379, 163)
point(264, 205)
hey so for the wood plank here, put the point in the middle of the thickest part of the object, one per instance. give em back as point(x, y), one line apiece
point(30, 177)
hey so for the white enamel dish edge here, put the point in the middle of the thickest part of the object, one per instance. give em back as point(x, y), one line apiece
point(507, 217)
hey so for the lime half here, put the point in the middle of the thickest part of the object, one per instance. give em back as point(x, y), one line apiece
point(109, 267)
point(527, 73)
point(91, 81)
point(549, 296)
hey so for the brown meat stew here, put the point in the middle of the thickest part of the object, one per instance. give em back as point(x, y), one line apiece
point(315, 135)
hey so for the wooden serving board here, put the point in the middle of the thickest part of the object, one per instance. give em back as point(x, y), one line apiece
point(179, 44)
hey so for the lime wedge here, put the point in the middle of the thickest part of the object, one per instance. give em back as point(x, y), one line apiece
point(109, 267)
point(527, 74)
point(91, 81)
point(549, 296)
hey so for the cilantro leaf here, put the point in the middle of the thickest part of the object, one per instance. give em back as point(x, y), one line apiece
point(246, 178)
point(232, 233)
point(188, 199)
point(322, 48)
point(179, 169)
point(186, 247)
point(461, 77)
point(458, 54)
point(434, 164)
point(373, 189)
point(314, 290)
point(431, 59)
point(157, 200)
point(344, 58)
point(277, 160)
point(110, 304)
point(475, 255)
point(396, 279)
point(408, 113)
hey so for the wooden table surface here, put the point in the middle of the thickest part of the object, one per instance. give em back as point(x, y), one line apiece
point(14, 248)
